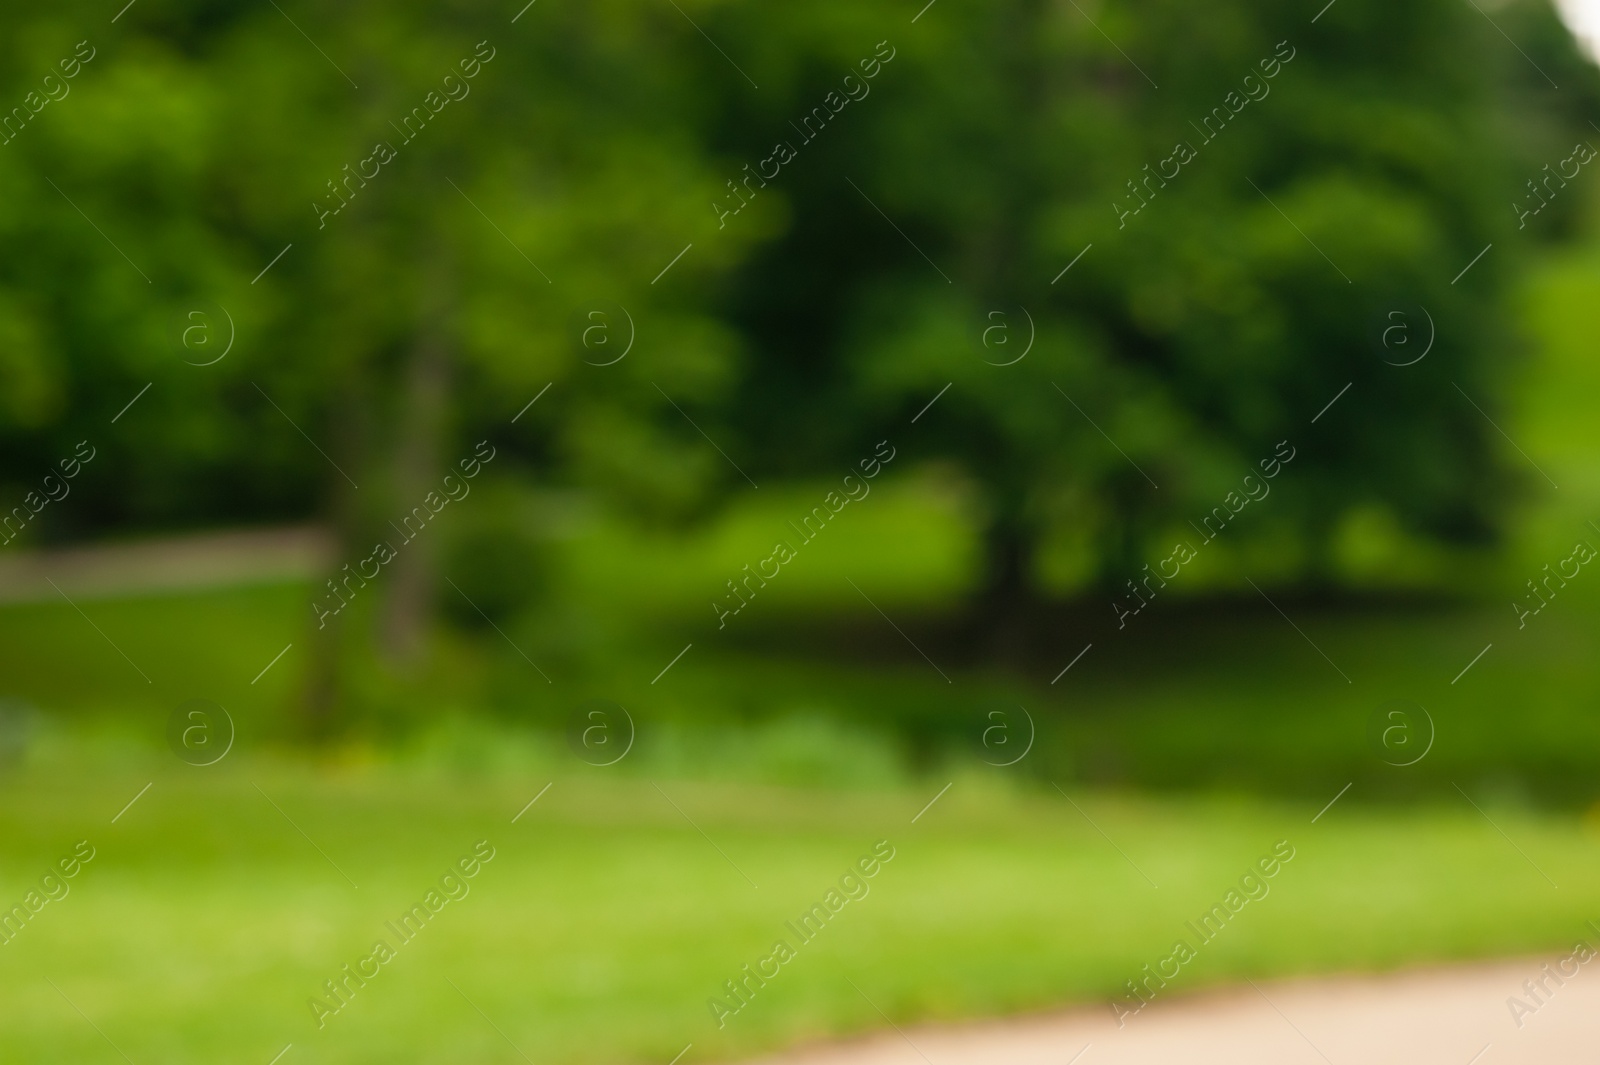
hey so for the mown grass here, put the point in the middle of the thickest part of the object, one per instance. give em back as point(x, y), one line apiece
point(614, 908)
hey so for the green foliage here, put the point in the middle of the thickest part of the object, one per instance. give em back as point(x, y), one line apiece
point(1216, 320)
point(532, 174)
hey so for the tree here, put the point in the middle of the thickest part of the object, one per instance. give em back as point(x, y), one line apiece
point(1219, 294)
point(412, 223)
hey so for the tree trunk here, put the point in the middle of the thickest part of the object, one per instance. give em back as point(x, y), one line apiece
point(326, 637)
point(407, 608)
point(1007, 604)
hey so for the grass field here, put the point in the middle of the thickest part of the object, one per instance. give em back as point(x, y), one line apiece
point(606, 919)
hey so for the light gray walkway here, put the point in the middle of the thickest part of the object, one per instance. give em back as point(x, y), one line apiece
point(1433, 1017)
point(203, 560)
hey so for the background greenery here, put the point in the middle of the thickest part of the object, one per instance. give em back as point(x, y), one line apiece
point(453, 290)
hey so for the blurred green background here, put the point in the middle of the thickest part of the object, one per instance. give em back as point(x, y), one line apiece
point(975, 301)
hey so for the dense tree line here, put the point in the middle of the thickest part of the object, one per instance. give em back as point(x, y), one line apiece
point(405, 218)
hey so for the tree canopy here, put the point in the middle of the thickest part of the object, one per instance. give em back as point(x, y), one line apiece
point(405, 221)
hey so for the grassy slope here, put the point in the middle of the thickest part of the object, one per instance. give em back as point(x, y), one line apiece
point(605, 921)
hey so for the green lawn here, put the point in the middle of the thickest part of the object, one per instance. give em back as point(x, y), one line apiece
point(605, 921)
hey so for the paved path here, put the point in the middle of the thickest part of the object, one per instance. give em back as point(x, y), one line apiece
point(1431, 1017)
point(198, 561)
